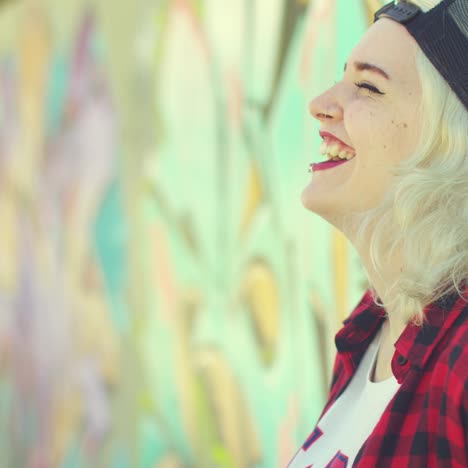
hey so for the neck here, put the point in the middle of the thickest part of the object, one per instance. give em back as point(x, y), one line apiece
point(382, 283)
point(396, 324)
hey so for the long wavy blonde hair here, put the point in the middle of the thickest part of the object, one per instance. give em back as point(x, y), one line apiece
point(425, 214)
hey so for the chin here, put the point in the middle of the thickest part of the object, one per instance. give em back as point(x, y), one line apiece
point(305, 200)
point(313, 203)
point(314, 199)
point(325, 208)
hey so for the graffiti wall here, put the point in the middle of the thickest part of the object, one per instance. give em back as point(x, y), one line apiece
point(165, 299)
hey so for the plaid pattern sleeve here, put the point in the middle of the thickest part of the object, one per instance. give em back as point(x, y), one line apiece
point(426, 422)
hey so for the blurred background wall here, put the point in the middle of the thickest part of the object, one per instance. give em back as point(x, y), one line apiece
point(165, 299)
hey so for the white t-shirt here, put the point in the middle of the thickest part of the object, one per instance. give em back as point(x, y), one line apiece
point(347, 424)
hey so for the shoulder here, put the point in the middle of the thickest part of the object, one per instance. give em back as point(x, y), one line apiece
point(455, 348)
point(451, 367)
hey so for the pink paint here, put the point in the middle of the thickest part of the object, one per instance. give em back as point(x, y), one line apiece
point(286, 443)
point(320, 21)
point(235, 93)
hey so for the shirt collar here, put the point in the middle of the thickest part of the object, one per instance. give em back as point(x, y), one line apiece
point(416, 343)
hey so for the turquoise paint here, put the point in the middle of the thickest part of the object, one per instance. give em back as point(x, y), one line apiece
point(6, 400)
point(287, 123)
point(56, 93)
point(110, 240)
point(74, 456)
point(120, 459)
point(351, 23)
point(279, 150)
point(152, 446)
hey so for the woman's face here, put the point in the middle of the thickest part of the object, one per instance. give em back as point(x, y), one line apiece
point(374, 111)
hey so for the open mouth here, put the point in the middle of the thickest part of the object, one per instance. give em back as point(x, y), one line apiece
point(336, 151)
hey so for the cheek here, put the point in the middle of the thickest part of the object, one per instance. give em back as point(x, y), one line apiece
point(375, 131)
point(404, 134)
point(370, 130)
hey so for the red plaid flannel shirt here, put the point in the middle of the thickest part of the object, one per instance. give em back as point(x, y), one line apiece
point(426, 423)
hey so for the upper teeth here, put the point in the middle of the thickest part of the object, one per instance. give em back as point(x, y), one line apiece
point(333, 151)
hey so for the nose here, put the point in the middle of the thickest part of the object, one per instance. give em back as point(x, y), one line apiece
point(326, 106)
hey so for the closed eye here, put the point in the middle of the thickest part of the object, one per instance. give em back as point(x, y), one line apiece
point(369, 87)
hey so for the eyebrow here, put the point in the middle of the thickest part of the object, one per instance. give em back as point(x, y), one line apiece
point(361, 66)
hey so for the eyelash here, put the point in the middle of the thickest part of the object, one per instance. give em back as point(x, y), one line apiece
point(369, 87)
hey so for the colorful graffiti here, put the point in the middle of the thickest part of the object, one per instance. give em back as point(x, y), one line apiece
point(165, 299)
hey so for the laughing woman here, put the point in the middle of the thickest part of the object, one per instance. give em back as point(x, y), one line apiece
point(397, 127)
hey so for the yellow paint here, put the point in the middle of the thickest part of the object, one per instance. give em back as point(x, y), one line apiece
point(253, 199)
point(66, 415)
point(8, 244)
point(261, 293)
point(340, 273)
point(34, 50)
point(371, 7)
point(234, 421)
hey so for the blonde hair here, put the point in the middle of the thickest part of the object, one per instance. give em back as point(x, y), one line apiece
point(425, 214)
